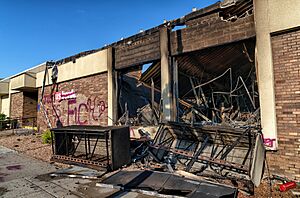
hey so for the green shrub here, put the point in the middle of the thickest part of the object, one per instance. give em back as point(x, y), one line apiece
point(46, 137)
point(2, 117)
point(3, 121)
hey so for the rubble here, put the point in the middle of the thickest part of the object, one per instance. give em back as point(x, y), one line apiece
point(190, 122)
point(214, 151)
point(162, 184)
point(217, 134)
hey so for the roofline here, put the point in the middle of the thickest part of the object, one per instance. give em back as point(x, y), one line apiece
point(176, 22)
point(23, 72)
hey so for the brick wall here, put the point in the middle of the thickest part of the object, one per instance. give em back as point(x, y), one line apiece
point(210, 31)
point(134, 51)
point(88, 107)
point(29, 105)
point(24, 105)
point(201, 32)
point(16, 105)
point(286, 63)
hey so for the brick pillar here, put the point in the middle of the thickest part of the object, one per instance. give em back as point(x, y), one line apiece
point(286, 63)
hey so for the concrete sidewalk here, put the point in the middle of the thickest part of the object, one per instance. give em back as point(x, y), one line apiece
point(21, 176)
point(25, 177)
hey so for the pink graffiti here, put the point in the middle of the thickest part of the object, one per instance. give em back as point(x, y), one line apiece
point(47, 99)
point(59, 96)
point(268, 142)
point(71, 111)
point(83, 113)
point(51, 113)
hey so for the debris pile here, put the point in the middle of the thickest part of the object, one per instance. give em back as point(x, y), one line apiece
point(214, 151)
point(159, 184)
point(235, 107)
point(217, 134)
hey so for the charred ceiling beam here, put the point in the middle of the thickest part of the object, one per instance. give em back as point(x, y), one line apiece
point(192, 67)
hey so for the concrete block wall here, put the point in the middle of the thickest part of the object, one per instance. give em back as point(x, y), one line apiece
point(286, 64)
point(88, 107)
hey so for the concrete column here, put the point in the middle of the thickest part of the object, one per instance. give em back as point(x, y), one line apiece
point(175, 93)
point(265, 72)
point(166, 77)
point(112, 88)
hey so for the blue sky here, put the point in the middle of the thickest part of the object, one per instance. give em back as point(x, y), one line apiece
point(34, 31)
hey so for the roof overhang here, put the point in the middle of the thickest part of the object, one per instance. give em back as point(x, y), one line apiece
point(24, 82)
point(4, 88)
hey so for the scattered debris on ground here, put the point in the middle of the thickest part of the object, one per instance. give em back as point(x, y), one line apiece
point(216, 136)
point(158, 183)
point(78, 172)
point(97, 179)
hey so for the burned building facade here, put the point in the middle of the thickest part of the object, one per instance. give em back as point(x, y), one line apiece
point(231, 63)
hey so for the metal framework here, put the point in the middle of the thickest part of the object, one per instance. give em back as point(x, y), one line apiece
point(217, 150)
point(92, 146)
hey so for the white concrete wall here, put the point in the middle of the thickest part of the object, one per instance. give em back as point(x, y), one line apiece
point(23, 80)
point(4, 88)
point(283, 14)
point(5, 104)
point(5, 101)
point(84, 66)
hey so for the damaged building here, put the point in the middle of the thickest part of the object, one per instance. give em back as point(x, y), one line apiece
point(220, 82)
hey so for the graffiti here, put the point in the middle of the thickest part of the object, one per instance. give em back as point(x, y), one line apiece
point(59, 96)
point(86, 111)
point(51, 113)
point(269, 142)
point(75, 109)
